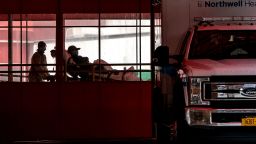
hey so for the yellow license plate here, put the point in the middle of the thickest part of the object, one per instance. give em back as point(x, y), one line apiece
point(249, 121)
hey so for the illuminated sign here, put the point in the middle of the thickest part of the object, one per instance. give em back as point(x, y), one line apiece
point(226, 4)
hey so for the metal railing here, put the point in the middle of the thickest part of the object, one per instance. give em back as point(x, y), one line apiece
point(95, 72)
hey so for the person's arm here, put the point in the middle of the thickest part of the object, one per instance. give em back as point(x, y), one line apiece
point(72, 68)
point(44, 68)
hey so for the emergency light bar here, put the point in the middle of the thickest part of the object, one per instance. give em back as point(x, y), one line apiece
point(231, 18)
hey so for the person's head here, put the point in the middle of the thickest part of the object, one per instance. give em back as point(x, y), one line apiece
point(53, 53)
point(41, 47)
point(73, 50)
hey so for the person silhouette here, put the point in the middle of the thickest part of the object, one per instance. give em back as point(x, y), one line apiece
point(78, 66)
point(38, 70)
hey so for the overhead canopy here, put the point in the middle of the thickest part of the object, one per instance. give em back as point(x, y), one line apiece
point(75, 6)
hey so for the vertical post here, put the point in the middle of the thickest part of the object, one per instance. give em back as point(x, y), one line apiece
point(99, 34)
point(21, 62)
point(152, 39)
point(10, 62)
point(152, 48)
point(137, 51)
point(60, 65)
point(28, 46)
point(140, 53)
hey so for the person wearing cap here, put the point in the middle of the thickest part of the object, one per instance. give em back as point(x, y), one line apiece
point(80, 68)
point(38, 70)
point(66, 55)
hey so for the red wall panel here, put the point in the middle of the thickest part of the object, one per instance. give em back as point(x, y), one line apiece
point(75, 111)
point(75, 6)
point(10, 6)
point(118, 6)
point(39, 6)
point(79, 6)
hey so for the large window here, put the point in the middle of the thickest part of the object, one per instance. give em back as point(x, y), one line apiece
point(82, 31)
point(19, 37)
point(4, 47)
point(121, 40)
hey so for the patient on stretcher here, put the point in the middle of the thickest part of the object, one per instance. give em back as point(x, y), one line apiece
point(111, 74)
